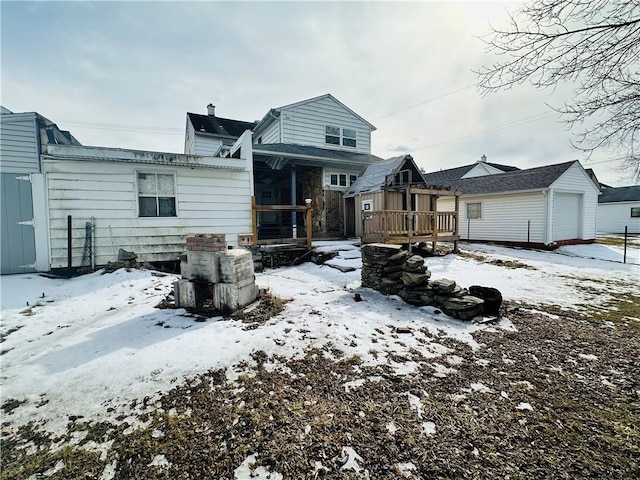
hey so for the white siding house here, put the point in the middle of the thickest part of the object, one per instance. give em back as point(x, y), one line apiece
point(322, 122)
point(210, 135)
point(543, 206)
point(619, 208)
point(145, 202)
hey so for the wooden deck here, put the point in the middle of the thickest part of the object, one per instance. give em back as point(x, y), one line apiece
point(399, 226)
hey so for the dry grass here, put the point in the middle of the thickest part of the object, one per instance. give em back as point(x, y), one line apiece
point(584, 421)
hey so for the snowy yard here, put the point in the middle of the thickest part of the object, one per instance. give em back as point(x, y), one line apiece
point(98, 383)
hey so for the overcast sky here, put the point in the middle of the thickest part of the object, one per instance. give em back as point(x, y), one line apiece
point(124, 74)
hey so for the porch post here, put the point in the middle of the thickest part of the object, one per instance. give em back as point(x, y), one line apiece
point(294, 225)
point(457, 229)
point(254, 220)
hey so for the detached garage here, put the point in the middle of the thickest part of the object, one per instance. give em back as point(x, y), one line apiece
point(539, 207)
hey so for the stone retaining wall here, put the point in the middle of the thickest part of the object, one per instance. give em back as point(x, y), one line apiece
point(393, 271)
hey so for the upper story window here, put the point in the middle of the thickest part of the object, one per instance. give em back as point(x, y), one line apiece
point(348, 137)
point(332, 135)
point(635, 211)
point(339, 136)
point(156, 194)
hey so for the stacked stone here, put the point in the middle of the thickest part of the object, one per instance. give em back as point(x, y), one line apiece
point(375, 260)
point(206, 242)
point(393, 271)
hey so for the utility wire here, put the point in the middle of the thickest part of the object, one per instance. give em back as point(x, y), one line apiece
point(514, 123)
point(425, 102)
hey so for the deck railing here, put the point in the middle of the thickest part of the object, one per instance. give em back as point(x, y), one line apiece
point(400, 222)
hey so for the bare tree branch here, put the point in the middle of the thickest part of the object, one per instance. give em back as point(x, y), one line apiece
point(593, 44)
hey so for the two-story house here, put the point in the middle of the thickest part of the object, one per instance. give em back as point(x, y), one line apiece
point(312, 149)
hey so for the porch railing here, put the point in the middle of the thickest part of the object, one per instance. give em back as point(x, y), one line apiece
point(402, 223)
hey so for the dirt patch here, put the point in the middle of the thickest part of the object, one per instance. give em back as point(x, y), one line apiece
point(554, 394)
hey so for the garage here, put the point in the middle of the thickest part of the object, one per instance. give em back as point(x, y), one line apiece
point(567, 216)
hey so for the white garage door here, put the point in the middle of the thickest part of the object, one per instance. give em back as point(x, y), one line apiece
point(567, 216)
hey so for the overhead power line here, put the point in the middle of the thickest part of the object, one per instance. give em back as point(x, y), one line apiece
point(425, 102)
point(514, 123)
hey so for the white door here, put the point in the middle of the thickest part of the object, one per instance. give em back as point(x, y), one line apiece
point(567, 216)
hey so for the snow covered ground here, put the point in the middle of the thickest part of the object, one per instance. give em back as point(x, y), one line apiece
point(74, 347)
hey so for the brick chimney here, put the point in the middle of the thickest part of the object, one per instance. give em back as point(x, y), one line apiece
point(211, 110)
point(483, 158)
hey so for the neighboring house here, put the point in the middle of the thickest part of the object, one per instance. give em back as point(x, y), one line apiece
point(538, 207)
point(210, 135)
point(392, 203)
point(23, 136)
point(313, 149)
point(619, 208)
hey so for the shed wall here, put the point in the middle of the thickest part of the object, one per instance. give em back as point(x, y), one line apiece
point(207, 201)
point(575, 180)
point(505, 218)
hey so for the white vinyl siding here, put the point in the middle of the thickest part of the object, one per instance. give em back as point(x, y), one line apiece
point(576, 181)
point(505, 218)
point(271, 134)
point(18, 143)
point(305, 123)
point(208, 201)
point(613, 217)
point(205, 145)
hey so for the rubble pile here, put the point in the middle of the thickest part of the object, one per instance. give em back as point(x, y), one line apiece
point(393, 271)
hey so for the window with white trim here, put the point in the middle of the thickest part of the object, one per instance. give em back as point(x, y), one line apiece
point(332, 135)
point(340, 136)
point(348, 137)
point(352, 179)
point(156, 194)
point(338, 179)
point(474, 210)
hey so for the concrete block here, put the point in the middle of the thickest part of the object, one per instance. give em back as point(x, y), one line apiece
point(201, 266)
point(236, 266)
point(184, 293)
point(230, 297)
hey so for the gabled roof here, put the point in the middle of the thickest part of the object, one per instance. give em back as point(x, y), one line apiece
point(273, 113)
point(620, 194)
point(452, 175)
point(293, 151)
point(375, 176)
point(218, 125)
point(530, 179)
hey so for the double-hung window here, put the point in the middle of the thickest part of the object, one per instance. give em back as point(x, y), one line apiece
point(339, 136)
point(156, 194)
point(332, 135)
point(635, 211)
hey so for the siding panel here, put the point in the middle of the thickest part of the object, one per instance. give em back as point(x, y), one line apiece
point(504, 217)
point(305, 125)
point(575, 180)
point(18, 144)
point(208, 201)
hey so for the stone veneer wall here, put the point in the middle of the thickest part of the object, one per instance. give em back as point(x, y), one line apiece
point(393, 271)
